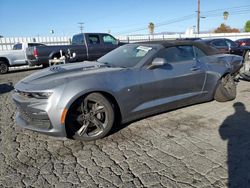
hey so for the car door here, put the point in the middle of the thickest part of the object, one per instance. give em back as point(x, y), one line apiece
point(177, 83)
point(96, 48)
point(18, 55)
point(79, 48)
point(110, 43)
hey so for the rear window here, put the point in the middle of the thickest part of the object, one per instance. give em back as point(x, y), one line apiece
point(198, 52)
point(17, 47)
point(35, 44)
point(78, 39)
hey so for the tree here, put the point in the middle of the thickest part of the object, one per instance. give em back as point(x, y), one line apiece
point(151, 27)
point(247, 26)
point(223, 28)
point(1, 36)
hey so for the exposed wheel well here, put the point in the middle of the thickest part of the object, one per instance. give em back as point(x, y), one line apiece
point(57, 55)
point(5, 60)
point(109, 96)
point(223, 75)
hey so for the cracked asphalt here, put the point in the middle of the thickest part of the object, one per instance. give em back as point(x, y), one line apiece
point(205, 145)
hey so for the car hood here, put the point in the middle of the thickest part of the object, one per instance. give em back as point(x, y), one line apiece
point(57, 75)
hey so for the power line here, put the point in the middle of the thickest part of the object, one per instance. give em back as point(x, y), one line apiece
point(212, 13)
point(175, 20)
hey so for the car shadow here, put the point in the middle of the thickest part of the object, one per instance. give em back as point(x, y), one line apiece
point(6, 87)
point(119, 126)
point(236, 130)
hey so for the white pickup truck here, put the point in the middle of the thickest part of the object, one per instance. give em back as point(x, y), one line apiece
point(15, 57)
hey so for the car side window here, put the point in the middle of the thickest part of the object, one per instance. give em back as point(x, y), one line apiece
point(108, 39)
point(219, 43)
point(94, 39)
point(17, 47)
point(177, 54)
point(198, 52)
point(231, 43)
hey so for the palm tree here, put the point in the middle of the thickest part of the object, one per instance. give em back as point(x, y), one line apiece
point(151, 27)
point(225, 15)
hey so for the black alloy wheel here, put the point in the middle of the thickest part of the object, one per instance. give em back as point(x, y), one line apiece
point(4, 68)
point(92, 118)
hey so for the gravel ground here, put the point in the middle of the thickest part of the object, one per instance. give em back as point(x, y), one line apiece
point(205, 145)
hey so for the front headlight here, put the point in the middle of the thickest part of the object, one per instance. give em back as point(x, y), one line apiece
point(37, 95)
point(41, 95)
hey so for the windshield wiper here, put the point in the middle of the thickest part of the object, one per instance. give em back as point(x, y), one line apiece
point(107, 64)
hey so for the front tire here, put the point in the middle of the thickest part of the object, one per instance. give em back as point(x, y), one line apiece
point(4, 67)
point(90, 118)
point(226, 89)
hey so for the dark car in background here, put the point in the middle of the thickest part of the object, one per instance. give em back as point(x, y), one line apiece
point(227, 46)
point(230, 47)
point(85, 100)
point(243, 42)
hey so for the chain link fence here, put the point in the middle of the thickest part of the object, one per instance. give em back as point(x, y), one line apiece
point(7, 43)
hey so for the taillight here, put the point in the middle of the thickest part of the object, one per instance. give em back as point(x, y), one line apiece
point(35, 52)
point(243, 44)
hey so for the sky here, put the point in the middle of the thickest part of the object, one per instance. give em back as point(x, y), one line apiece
point(29, 18)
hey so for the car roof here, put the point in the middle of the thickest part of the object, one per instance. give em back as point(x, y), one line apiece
point(208, 50)
point(243, 39)
point(92, 34)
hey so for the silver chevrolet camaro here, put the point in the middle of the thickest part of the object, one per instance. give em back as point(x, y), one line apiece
point(84, 100)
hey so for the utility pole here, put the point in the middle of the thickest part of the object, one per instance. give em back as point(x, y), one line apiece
point(81, 26)
point(198, 16)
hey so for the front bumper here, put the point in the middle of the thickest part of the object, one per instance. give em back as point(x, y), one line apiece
point(35, 114)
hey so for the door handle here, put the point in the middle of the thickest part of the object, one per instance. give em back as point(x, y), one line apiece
point(195, 68)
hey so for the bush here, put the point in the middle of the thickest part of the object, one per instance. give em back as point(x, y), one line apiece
point(226, 29)
point(247, 26)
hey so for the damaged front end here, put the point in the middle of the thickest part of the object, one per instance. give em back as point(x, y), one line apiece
point(245, 70)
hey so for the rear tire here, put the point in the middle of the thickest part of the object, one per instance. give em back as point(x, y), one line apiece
point(4, 67)
point(226, 89)
point(90, 118)
point(45, 66)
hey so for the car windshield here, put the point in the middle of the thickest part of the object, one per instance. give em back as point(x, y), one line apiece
point(125, 56)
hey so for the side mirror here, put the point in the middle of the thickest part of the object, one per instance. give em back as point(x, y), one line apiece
point(157, 62)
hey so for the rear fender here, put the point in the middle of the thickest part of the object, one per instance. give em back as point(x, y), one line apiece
point(56, 54)
point(6, 60)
